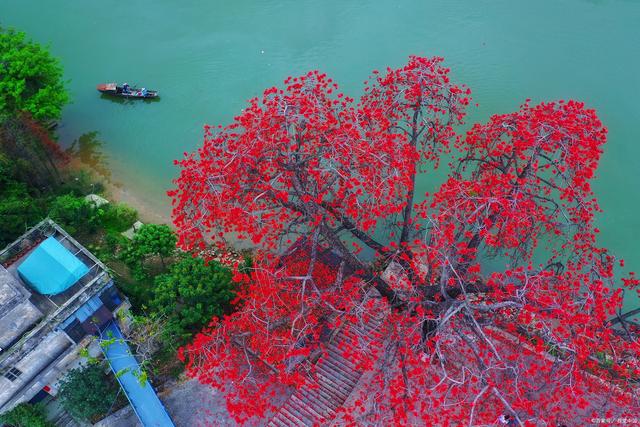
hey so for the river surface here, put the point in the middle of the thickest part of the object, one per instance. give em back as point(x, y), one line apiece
point(208, 58)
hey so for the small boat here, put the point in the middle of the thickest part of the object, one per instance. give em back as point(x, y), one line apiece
point(132, 92)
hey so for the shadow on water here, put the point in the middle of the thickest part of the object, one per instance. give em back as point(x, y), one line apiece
point(123, 100)
point(88, 149)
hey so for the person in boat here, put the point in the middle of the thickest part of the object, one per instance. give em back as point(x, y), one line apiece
point(125, 88)
point(144, 91)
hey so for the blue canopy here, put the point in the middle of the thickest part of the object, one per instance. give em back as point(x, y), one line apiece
point(51, 269)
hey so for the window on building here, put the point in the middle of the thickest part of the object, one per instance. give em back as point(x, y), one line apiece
point(12, 374)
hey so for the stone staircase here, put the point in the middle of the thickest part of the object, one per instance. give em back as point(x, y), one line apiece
point(336, 377)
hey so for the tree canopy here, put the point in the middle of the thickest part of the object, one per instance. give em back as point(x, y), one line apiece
point(18, 210)
point(30, 78)
point(31, 154)
point(72, 212)
point(25, 415)
point(324, 188)
point(191, 294)
point(85, 392)
point(150, 240)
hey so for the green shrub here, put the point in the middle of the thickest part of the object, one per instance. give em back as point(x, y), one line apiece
point(25, 415)
point(73, 213)
point(150, 240)
point(118, 217)
point(191, 294)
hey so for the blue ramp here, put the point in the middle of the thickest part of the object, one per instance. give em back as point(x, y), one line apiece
point(142, 397)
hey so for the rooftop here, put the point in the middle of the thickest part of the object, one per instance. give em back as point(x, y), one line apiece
point(17, 313)
point(26, 316)
point(51, 268)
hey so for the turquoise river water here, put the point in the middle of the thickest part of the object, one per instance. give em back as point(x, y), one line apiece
point(208, 58)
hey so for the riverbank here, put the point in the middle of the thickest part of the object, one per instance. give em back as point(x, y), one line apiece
point(122, 194)
point(115, 191)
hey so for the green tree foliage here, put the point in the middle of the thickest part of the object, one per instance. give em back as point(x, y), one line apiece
point(30, 78)
point(150, 240)
point(80, 183)
point(72, 212)
point(191, 294)
point(86, 392)
point(25, 415)
point(118, 217)
point(18, 210)
point(34, 154)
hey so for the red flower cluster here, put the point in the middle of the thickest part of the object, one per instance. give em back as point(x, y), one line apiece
point(305, 163)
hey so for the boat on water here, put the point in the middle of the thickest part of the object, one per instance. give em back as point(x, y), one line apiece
point(126, 92)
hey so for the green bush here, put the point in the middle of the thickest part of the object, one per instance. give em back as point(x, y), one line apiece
point(150, 240)
point(86, 392)
point(25, 415)
point(73, 213)
point(118, 217)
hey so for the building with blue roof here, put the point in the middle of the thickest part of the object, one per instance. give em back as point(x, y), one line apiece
point(55, 297)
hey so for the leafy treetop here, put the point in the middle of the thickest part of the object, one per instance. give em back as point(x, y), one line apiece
point(150, 240)
point(30, 78)
point(191, 294)
point(25, 415)
point(86, 393)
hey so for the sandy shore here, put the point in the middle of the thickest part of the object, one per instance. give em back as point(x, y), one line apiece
point(121, 193)
point(148, 214)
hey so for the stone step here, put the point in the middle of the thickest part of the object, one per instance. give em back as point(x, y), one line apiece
point(333, 351)
point(322, 396)
point(301, 412)
point(336, 376)
point(314, 412)
point(329, 390)
point(342, 368)
point(337, 358)
point(332, 386)
point(276, 421)
point(319, 404)
point(292, 419)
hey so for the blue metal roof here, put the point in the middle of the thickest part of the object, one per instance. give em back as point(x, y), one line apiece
point(51, 269)
point(85, 311)
point(142, 397)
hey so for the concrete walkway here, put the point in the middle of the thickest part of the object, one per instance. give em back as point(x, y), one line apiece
point(190, 404)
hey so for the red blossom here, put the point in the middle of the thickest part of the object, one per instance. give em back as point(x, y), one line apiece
point(304, 163)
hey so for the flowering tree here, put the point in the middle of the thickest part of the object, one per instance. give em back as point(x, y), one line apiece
point(309, 165)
